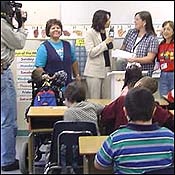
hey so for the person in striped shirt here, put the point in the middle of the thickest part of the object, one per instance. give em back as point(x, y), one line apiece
point(139, 146)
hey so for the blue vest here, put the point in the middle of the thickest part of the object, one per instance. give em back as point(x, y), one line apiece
point(54, 62)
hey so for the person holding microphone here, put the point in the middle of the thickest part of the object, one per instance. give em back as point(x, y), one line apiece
point(98, 47)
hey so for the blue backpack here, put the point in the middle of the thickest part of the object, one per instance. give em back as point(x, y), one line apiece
point(45, 98)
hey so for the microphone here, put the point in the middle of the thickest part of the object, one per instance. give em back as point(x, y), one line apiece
point(111, 32)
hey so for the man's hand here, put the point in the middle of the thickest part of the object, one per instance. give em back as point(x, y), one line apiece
point(24, 16)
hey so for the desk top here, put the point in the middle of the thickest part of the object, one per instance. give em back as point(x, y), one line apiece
point(46, 111)
point(171, 111)
point(90, 144)
point(100, 101)
point(162, 101)
point(108, 101)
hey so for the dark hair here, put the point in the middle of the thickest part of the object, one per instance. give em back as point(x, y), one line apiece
point(149, 83)
point(171, 23)
point(146, 16)
point(52, 22)
point(99, 20)
point(7, 12)
point(37, 75)
point(132, 75)
point(75, 92)
point(139, 104)
point(6, 9)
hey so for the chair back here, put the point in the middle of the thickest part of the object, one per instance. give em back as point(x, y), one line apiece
point(67, 132)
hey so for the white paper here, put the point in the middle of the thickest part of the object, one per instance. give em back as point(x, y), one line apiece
point(122, 54)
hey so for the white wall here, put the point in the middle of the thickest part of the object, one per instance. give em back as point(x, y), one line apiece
point(81, 12)
point(40, 11)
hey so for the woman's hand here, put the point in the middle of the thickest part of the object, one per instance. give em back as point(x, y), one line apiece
point(109, 40)
point(78, 77)
point(156, 66)
point(131, 60)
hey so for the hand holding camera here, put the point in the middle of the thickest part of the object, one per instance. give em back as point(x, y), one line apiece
point(20, 16)
point(24, 16)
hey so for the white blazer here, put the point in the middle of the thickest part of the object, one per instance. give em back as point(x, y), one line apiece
point(95, 64)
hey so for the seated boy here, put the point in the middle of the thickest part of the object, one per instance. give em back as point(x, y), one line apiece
point(141, 145)
point(113, 115)
point(78, 108)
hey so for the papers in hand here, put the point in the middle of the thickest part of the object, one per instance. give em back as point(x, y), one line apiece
point(117, 53)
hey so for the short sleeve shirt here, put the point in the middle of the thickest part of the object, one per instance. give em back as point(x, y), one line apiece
point(149, 43)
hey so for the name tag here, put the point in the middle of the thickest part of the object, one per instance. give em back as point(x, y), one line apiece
point(164, 66)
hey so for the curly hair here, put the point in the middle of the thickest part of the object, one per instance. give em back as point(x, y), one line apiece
point(52, 22)
point(99, 20)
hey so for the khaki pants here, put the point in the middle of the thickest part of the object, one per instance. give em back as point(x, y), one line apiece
point(98, 87)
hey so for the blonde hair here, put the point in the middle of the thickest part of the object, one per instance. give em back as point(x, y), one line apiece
point(149, 83)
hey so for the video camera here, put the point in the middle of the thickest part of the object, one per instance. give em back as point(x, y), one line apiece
point(10, 9)
point(16, 4)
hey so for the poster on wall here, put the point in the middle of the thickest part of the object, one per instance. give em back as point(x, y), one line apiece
point(79, 31)
point(24, 68)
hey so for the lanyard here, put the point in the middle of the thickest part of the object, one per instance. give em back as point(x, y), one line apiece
point(137, 42)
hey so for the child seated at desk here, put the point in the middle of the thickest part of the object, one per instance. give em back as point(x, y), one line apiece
point(110, 114)
point(78, 108)
point(140, 145)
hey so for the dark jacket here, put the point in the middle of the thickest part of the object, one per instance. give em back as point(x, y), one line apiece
point(112, 116)
point(54, 62)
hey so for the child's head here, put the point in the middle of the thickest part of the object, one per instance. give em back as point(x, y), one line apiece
point(74, 92)
point(147, 82)
point(37, 75)
point(139, 104)
point(132, 75)
point(168, 30)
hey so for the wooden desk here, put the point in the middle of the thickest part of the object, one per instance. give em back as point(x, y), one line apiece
point(41, 120)
point(90, 144)
point(108, 101)
point(44, 116)
point(100, 101)
point(45, 111)
point(171, 111)
point(162, 102)
point(88, 147)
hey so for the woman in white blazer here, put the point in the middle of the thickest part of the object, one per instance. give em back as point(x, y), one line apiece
point(98, 47)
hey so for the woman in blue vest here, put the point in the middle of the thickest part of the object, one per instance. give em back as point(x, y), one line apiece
point(55, 54)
